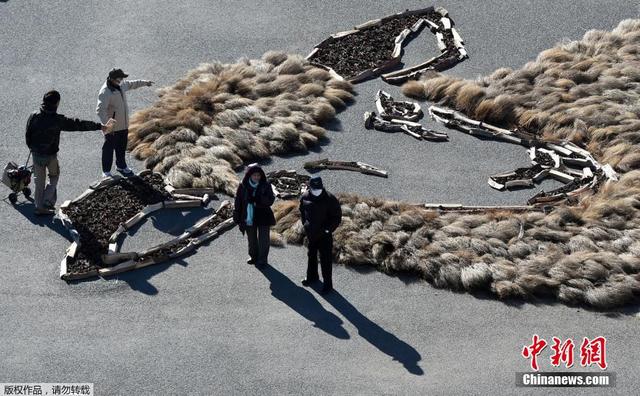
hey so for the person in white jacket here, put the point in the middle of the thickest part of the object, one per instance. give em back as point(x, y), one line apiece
point(112, 103)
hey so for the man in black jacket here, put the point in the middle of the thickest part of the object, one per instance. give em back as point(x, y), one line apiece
point(252, 212)
point(43, 139)
point(321, 214)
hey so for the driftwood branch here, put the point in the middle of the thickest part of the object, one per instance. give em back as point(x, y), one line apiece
point(344, 165)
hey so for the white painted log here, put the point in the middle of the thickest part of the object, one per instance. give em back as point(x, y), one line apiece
point(441, 44)
point(116, 234)
point(312, 53)
point(134, 220)
point(561, 176)
point(85, 194)
point(432, 26)
point(446, 23)
point(63, 267)
point(442, 11)
point(113, 248)
point(367, 24)
point(541, 175)
point(559, 149)
point(418, 25)
point(609, 172)
point(402, 36)
point(122, 267)
point(587, 173)
point(397, 51)
point(462, 54)
point(457, 39)
point(345, 33)
point(494, 184)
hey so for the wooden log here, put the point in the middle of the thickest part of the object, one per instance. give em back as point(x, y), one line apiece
point(367, 24)
point(117, 269)
point(198, 192)
point(312, 53)
point(179, 204)
point(106, 182)
point(113, 258)
point(561, 176)
point(116, 234)
point(419, 25)
point(82, 196)
point(515, 184)
point(345, 33)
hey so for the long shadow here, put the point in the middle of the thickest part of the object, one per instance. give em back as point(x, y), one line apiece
point(377, 336)
point(139, 279)
point(27, 210)
point(303, 302)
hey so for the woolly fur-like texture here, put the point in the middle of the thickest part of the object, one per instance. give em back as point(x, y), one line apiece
point(588, 254)
point(221, 116)
point(585, 91)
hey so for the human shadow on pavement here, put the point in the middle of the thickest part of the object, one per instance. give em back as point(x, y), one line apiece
point(27, 209)
point(303, 302)
point(376, 335)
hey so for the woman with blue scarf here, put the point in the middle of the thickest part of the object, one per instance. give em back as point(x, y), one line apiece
point(252, 212)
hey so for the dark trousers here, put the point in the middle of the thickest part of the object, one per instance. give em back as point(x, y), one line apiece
point(324, 246)
point(259, 243)
point(114, 141)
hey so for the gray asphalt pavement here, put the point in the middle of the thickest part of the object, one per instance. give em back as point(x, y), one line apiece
point(210, 324)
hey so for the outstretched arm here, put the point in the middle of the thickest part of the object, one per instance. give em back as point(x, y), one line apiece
point(76, 124)
point(134, 84)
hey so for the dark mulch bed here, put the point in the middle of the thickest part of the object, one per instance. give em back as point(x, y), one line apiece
point(370, 47)
point(98, 216)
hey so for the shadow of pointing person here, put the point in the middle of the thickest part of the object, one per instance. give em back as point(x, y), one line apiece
point(376, 335)
point(303, 302)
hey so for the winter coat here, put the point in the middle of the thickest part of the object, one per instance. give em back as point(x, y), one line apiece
point(112, 100)
point(43, 130)
point(319, 215)
point(264, 198)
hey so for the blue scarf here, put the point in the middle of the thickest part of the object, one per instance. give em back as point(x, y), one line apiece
point(250, 206)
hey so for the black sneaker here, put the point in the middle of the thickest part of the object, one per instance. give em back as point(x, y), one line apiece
point(308, 282)
point(251, 261)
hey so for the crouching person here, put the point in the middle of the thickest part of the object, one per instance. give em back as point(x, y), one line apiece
point(252, 212)
point(43, 139)
point(320, 214)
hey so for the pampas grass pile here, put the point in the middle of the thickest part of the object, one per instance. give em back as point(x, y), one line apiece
point(583, 255)
point(586, 91)
point(221, 116)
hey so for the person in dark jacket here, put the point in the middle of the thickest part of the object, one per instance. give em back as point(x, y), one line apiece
point(43, 139)
point(252, 212)
point(321, 215)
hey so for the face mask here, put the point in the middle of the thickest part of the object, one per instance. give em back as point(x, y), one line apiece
point(316, 192)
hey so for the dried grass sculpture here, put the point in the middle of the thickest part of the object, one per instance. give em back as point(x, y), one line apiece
point(221, 116)
point(584, 91)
